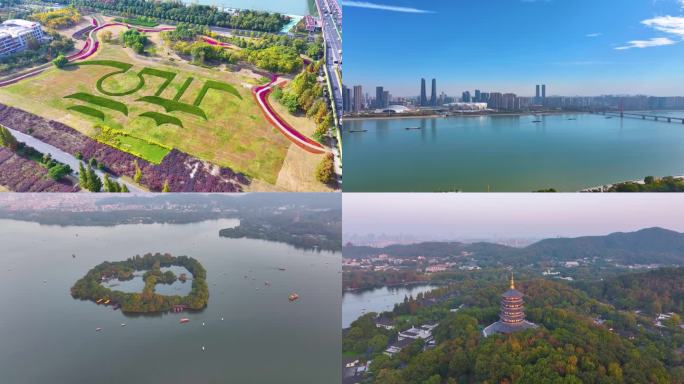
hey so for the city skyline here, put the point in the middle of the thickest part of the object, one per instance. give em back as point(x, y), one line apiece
point(634, 54)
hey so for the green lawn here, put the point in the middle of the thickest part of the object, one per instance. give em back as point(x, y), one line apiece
point(149, 151)
point(231, 131)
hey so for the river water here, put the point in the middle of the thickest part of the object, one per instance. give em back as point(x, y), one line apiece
point(287, 7)
point(508, 153)
point(355, 304)
point(48, 337)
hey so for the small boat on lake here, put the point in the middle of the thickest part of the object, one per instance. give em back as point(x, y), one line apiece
point(536, 121)
point(184, 320)
point(98, 329)
point(357, 130)
point(293, 296)
point(410, 128)
point(281, 269)
point(123, 324)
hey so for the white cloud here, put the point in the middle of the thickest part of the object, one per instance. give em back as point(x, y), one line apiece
point(383, 7)
point(669, 24)
point(653, 42)
point(597, 34)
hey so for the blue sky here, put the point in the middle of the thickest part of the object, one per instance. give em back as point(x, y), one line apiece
point(576, 47)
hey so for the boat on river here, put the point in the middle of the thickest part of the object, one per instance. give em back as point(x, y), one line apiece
point(293, 296)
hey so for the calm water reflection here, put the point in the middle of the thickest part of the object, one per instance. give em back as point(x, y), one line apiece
point(48, 337)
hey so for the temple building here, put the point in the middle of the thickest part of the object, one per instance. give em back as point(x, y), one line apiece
point(512, 315)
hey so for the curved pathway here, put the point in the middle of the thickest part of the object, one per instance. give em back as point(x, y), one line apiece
point(260, 93)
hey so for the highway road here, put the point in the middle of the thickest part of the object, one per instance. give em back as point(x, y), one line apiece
point(332, 35)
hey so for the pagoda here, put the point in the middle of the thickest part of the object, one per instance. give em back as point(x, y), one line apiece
point(512, 315)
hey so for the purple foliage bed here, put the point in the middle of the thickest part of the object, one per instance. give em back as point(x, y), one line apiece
point(25, 175)
point(183, 172)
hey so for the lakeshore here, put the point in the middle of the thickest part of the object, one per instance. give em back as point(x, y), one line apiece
point(515, 153)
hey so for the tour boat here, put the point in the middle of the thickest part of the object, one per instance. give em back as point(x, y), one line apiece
point(98, 329)
point(293, 297)
point(281, 269)
point(123, 324)
point(106, 302)
point(99, 301)
point(184, 320)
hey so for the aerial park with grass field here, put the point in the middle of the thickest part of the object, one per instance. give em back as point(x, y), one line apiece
point(148, 134)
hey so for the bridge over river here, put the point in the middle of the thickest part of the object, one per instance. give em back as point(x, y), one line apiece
point(644, 116)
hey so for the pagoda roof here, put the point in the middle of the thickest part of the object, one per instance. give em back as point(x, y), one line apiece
point(512, 293)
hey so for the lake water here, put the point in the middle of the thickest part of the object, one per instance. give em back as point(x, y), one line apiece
point(508, 153)
point(288, 7)
point(48, 337)
point(355, 304)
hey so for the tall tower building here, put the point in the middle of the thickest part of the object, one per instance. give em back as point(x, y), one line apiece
point(346, 99)
point(465, 97)
point(358, 98)
point(433, 94)
point(512, 314)
point(386, 98)
point(537, 96)
point(543, 95)
point(423, 94)
point(379, 95)
point(478, 96)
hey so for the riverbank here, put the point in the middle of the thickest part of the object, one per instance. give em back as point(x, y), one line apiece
point(605, 187)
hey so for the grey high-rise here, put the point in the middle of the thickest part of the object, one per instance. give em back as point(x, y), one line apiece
point(423, 95)
point(358, 98)
point(379, 96)
point(433, 94)
point(543, 95)
point(346, 99)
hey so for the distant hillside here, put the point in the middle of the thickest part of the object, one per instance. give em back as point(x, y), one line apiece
point(650, 245)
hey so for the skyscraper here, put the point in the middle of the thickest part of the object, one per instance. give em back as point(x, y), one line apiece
point(386, 99)
point(379, 95)
point(346, 99)
point(478, 96)
point(543, 95)
point(537, 96)
point(466, 97)
point(433, 94)
point(423, 95)
point(358, 98)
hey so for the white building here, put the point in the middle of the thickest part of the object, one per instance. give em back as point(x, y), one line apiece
point(15, 34)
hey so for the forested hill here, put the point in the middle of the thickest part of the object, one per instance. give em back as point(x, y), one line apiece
point(653, 292)
point(570, 346)
point(650, 245)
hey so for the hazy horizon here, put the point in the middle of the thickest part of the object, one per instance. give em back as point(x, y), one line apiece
point(507, 215)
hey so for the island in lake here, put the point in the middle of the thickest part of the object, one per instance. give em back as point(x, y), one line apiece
point(148, 301)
